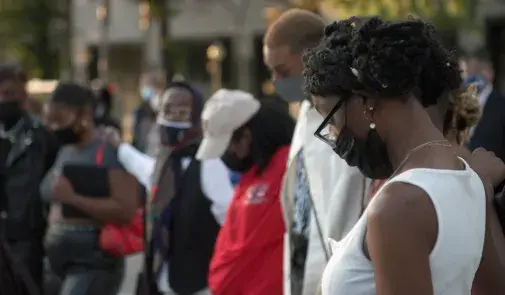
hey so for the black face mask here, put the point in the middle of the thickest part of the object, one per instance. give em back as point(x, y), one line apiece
point(236, 164)
point(67, 135)
point(172, 136)
point(10, 113)
point(369, 155)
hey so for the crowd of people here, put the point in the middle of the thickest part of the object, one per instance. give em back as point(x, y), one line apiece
point(384, 177)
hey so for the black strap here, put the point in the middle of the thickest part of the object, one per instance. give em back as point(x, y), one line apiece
point(319, 229)
point(318, 224)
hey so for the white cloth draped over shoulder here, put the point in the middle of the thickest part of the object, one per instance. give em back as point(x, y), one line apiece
point(338, 192)
point(215, 179)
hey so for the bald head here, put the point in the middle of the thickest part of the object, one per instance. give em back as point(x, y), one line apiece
point(284, 42)
point(296, 28)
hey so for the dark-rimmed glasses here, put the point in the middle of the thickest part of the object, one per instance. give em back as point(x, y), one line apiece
point(328, 138)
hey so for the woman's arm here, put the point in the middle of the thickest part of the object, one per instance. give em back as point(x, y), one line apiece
point(138, 164)
point(401, 233)
point(217, 187)
point(118, 208)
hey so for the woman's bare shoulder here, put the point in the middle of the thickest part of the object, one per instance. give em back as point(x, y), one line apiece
point(404, 210)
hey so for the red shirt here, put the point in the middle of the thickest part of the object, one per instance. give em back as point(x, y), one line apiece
point(248, 253)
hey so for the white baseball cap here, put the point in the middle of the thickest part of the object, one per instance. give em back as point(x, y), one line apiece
point(224, 112)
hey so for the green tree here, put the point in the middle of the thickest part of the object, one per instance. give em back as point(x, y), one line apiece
point(32, 31)
point(445, 14)
point(311, 5)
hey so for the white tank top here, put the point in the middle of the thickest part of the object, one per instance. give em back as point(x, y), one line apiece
point(460, 204)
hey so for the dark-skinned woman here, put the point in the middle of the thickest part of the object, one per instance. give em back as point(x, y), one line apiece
point(76, 220)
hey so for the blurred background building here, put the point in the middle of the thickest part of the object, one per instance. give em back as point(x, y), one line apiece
point(214, 43)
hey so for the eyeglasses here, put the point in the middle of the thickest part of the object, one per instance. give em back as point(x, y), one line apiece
point(329, 137)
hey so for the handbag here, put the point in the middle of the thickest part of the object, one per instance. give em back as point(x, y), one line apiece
point(121, 241)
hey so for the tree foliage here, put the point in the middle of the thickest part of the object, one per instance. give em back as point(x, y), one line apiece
point(446, 14)
point(31, 31)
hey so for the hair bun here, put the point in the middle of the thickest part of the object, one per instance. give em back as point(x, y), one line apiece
point(338, 34)
point(390, 56)
point(329, 62)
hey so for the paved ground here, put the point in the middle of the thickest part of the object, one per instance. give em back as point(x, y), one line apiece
point(133, 265)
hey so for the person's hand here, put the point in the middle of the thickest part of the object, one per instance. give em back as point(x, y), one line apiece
point(63, 190)
point(112, 136)
point(488, 165)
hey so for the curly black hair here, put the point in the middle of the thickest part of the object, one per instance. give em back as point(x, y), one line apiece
point(441, 73)
point(388, 59)
point(327, 70)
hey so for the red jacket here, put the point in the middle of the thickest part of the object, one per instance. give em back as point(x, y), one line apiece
point(248, 253)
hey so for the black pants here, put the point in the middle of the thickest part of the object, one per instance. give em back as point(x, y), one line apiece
point(30, 253)
point(84, 269)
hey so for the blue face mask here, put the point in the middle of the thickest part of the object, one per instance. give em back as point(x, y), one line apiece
point(147, 93)
point(290, 89)
point(479, 81)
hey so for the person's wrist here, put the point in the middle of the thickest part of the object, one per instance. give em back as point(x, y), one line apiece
point(73, 200)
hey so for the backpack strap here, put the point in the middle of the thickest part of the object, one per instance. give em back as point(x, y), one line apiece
point(99, 154)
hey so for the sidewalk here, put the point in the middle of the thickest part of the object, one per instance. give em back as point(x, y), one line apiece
point(133, 265)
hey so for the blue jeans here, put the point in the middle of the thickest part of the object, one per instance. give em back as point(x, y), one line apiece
point(74, 257)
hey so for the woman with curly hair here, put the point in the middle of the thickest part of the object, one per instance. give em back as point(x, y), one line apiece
point(464, 112)
point(426, 231)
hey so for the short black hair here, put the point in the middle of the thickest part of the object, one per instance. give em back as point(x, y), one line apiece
point(386, 58)
point(72, 95)
point(272, 127)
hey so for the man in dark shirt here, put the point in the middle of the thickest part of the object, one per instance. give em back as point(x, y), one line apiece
point(27, 151)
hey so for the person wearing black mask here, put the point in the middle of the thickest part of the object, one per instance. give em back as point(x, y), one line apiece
point(27, 151)
point(188, 195)
point(76, 220)
point(253, 139)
